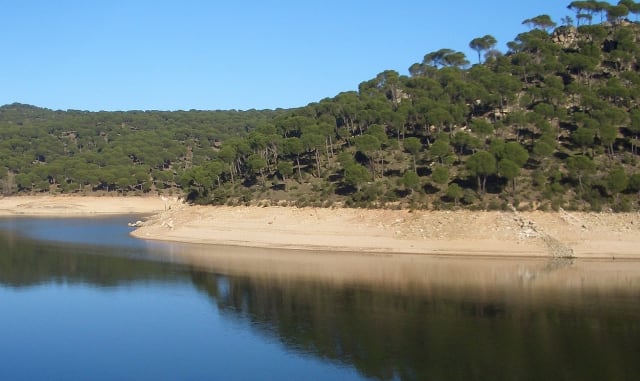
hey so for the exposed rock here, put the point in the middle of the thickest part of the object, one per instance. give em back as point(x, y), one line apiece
point(566, 36)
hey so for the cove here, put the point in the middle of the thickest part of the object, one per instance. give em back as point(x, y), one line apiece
point(80, 299)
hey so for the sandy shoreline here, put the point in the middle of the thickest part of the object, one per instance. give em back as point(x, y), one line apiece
point(69, 206)
point(503, 234)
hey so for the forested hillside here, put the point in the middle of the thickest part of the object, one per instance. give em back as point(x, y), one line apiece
point(552, 122)
point(80, 151)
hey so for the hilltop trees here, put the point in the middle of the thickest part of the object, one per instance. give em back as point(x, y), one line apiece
point(542, 22)
point(483, 44)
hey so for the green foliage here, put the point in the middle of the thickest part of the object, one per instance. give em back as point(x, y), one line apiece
point(481, 164)
point(481, 127)
point(345, 158)
point(367, 143)
point(583, 137)
point(440, 175)
point(455, 192)
point(515, 152)
point(617, 180)
point(509, 170)
point(560, 112)
point(483, 44)
point(285, 168)
point(543, 149)
point(412, 145)
point(379, 133)
point(440, 149)
point(581, 166)
point(256, 163)
point(634, 183)
point(411, 180)
point(356, 175)
point(543, 22)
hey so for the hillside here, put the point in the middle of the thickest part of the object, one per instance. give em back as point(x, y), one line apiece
point(551, 123)
point(134, 151)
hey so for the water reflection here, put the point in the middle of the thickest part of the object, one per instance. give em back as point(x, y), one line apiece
point(390, 317)
point(25, 262)
point(388, 334)
point(420, 318)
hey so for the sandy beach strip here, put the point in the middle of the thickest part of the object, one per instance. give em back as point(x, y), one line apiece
point(401, 249)
point(71, 206)
point(512, 234)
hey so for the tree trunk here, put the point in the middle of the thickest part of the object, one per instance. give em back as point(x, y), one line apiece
point(317, 162)
point(580, 182)
point(331, 145)
point(372, 164)
point(326, 146)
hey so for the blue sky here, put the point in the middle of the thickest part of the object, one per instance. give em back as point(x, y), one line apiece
point(206, 55)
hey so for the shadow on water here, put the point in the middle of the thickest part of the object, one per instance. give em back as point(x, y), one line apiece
point(390, 317)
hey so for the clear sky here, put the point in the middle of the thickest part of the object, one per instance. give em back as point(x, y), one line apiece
point(207, 55)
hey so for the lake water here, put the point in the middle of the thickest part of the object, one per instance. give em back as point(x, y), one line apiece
point(80, 299)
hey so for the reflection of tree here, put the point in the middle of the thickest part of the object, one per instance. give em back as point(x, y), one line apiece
point(387, 334)
point(422, 333)
point(28, 262)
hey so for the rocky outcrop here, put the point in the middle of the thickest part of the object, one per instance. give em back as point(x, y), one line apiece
point(566, 36)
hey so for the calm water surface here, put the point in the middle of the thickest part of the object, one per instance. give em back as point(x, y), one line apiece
point(80, 299)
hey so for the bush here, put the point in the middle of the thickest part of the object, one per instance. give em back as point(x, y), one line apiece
point(596, 207)
point(623, 206)
point(557, 188)
point(494, 205)
point(544, 206)
point(469, 196)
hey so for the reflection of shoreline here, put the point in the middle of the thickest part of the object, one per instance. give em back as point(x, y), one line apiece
point(438, 332)
point(40, 264)
point(417, 273)
point(468, 273)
